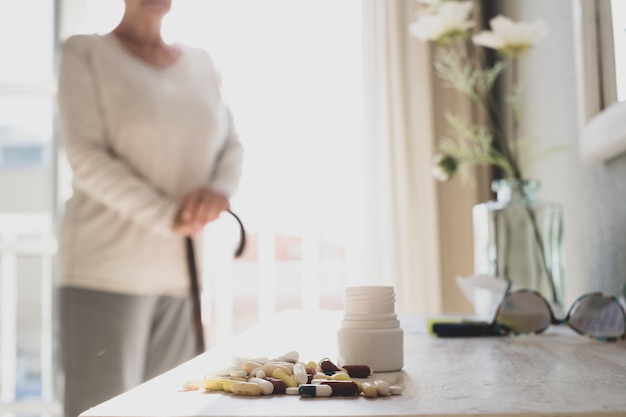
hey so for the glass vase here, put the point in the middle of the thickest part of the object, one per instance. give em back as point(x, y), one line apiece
point(520, 239)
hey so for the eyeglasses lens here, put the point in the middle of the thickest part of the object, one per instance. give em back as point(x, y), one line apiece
point(524, 312)
point(598, 316)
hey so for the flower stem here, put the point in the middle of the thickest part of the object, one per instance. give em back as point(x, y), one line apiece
point(487, 101)
point(542, 254)
point(514, 100)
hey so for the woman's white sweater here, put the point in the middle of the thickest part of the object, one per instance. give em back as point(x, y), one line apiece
point(138, 138)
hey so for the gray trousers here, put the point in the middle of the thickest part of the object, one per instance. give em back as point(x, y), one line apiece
point(112, 342)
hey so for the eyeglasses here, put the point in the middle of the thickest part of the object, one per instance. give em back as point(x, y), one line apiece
point(597, 315)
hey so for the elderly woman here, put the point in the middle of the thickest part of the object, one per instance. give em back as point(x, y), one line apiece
point(155, 157)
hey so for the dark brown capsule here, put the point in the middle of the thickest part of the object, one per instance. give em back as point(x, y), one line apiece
point(327, 366)
point(279, 385)
point(343, 388)
point(358, 371)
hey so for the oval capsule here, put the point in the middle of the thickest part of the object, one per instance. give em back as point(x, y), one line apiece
point(279, 386)
point(340, 376)
point(299, 373)
point(246, 388)
point(281, 363)
point(269, 369)
point(344, 388)
point(327, 366)
point(358, 371)
point(238, 373)
point(250, 367)
point(315, 390)
point(287, 379)
point(227, 383)
point(291, 356)
point(265, 385)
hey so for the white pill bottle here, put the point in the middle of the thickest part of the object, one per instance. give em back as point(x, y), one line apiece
point(370, 332)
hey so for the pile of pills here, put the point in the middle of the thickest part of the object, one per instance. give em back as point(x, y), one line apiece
point(288, 375)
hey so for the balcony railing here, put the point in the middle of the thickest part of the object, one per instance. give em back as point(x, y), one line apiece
point(28, 376)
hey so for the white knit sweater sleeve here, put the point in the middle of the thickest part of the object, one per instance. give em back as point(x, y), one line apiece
point(97, 171)
point(227, 173)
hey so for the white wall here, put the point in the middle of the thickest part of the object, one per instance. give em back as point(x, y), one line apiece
point(593, 196)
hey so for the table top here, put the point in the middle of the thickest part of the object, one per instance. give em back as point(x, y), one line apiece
point(557, 373)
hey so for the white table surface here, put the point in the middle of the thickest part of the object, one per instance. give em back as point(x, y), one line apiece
point(558, 373)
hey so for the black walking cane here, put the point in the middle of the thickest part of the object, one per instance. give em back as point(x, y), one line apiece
point(195, 286)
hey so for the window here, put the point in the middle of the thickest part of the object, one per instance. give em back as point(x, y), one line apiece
point(618, 13)
point(600, 34)
point(27, 42)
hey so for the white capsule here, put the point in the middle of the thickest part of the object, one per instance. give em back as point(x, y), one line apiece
point(291, 390)
point(260, 373)
point(318, 381)
point(265, 385)
point(315, 390)
point(221, 372)
point(237, 373)
point(237, 362)
point(299, 373)
point(291, 356)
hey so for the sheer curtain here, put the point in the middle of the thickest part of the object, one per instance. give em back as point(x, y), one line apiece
point(419, 233)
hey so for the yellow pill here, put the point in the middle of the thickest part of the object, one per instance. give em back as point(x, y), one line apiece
point(228, 383)
point(287, 379)
point(312, 365)
point(246, 388)
point(269, 369)
point(213, 384)
point(340, 376)
point(369, 390)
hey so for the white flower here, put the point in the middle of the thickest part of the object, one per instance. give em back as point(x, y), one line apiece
point(509, 37)
point(450, 21)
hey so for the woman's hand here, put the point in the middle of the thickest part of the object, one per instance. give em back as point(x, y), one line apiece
point(199, 207)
